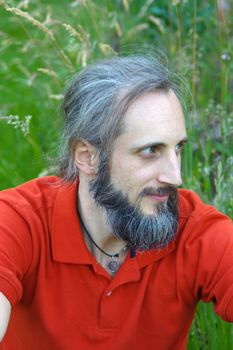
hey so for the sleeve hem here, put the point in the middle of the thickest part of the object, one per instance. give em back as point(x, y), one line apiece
point(229, 310)
point(9, 291)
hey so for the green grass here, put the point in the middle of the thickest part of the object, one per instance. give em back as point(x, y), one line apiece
point(38, 54)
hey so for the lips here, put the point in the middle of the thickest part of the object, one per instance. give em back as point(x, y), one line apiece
point(159, 192)
point(158, 197)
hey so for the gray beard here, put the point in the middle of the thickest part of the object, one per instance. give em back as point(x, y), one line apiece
point(127, 222)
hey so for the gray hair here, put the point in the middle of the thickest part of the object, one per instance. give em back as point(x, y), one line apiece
point(97, 99)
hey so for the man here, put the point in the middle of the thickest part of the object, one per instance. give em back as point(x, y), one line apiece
point(111, 255)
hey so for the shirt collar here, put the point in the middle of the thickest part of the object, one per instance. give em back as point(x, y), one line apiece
point(67, 240)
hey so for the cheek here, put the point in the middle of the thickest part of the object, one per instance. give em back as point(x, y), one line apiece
point(131, 178)
point(124, 178)
point(124, 175)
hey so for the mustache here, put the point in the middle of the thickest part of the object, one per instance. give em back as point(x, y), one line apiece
point(161, 191)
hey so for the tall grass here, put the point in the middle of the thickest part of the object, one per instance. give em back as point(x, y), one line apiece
point(43, 42)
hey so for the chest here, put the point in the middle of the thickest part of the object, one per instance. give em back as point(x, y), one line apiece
point(78, 301)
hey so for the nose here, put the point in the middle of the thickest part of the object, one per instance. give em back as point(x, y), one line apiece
point(169, 172)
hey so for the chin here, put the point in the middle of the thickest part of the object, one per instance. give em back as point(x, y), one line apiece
point(151, 209)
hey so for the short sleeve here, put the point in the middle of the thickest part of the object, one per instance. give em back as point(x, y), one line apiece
point(15, 250)
point(208, 262)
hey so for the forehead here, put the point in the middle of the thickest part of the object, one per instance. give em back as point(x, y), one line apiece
point(156, 115)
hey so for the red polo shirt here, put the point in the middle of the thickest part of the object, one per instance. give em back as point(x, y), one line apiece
point(63, 299)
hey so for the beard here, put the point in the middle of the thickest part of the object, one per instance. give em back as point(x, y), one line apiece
point(127, 221)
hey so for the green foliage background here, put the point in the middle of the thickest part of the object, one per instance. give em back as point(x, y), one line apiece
point(42, 43)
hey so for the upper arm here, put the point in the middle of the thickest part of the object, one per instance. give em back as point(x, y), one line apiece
point(15, 251)
point(208, 263)
point(5, 311)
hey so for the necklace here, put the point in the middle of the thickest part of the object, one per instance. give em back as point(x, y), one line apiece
point(113, 265)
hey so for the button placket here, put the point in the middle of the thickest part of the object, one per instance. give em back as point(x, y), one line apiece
point(108, 310)
point(110, 303)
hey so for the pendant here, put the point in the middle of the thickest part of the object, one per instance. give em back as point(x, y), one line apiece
point(113, 266)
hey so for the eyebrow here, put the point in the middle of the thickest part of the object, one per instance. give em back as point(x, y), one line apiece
point(156, 144)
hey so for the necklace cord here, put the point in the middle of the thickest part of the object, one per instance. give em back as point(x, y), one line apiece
point(113, 256)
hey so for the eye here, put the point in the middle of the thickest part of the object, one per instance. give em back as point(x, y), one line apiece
point(149, 151)
point(179, 147)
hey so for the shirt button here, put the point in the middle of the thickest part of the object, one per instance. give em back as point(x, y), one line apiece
point(109, 293)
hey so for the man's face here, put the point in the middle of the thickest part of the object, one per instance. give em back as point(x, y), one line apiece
point(137, 188)
point(147, 156)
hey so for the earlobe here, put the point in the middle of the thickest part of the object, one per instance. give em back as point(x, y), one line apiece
point(85, 156)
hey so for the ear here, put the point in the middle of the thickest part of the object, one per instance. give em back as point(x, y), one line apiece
point(86, 157)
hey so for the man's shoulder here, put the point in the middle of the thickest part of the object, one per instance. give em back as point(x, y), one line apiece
point(191, 205)
point(199, 217)
point(37, 192)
